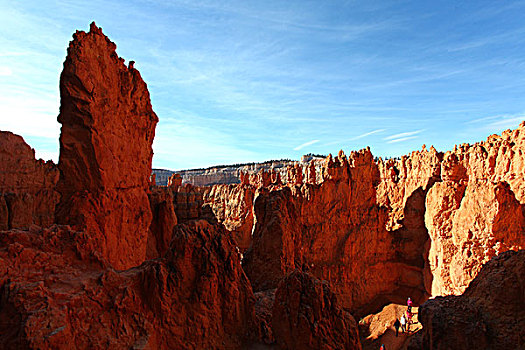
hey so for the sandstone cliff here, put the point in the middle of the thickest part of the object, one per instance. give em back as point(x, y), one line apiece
point(108, 127)
point(424, 224)
point(232, 205)
point(477, 211)
point(231, 174)
point(370, 232)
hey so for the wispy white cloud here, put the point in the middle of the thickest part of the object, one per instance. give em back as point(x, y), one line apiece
point(403, 135)
point(306, 144)
point(498, 122)
point(402, 139)
point(367, 134)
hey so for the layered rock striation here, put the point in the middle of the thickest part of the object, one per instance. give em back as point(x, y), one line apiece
point(108, 126)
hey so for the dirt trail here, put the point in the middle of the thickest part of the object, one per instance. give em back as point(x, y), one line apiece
point(377, 329)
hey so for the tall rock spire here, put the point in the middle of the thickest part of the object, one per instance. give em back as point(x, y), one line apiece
point(108, 126)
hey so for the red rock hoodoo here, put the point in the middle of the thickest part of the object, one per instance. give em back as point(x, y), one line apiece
point(108, 126)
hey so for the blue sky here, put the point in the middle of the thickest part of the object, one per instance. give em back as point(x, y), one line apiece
point(241, 81)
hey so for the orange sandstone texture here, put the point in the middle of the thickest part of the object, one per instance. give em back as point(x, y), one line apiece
point(27, 185)
point(233, 207)
point(108, 127)
point(477, 211)
point(381, 231)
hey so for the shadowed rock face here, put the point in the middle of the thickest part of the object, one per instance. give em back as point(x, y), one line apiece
point(307, 315)
point(489, 315)
point(56, 294)
point(27, 186)
point(108, 127)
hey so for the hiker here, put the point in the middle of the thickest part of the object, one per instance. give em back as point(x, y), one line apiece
point(383, 347)
point(397, 324)
point(403, 322)
point(409, 304)
point(408, 320)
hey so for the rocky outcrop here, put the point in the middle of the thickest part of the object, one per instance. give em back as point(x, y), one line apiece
point(55, 293)
point(477, 211)
point(433, 220)
point(163, 221)
point(338, 230)
point(489, 315)
point(232, 205)
point(108, 127)
point(27, 185)
point(307, 315)
point(189, 202)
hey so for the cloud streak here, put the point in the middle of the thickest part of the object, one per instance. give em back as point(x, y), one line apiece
point(402, 139)
point(403, 134)
point(306, 144)
point(367, 134)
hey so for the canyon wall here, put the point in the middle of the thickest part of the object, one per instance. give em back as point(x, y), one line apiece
point(315, 239)
point(231, 174)
point(477, 211)
point(108, 126)
point(337, 231)
point(432, 219)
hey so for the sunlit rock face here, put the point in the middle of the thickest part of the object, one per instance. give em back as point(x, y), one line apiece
point(233, 206)
point(477, 211)
point(27, 185)
point(108, 126)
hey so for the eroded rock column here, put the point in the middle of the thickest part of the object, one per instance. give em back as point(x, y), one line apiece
point(108, 126)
